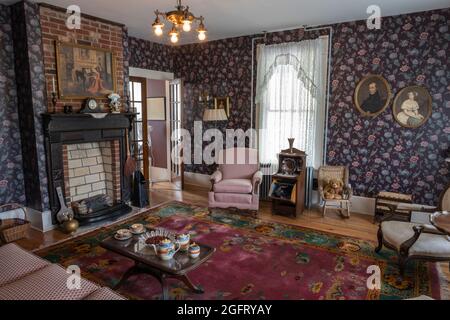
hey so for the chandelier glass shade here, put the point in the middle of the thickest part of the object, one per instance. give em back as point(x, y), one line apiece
point(181, 18)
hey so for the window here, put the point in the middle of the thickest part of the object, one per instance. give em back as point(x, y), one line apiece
point(291, 90)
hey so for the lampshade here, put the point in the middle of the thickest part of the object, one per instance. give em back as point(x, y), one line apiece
point(214, 115)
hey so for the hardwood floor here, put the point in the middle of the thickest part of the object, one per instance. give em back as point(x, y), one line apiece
point(358, 226)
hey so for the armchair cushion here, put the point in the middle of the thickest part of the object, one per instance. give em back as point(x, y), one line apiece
point(233, 186)
point(428, 244)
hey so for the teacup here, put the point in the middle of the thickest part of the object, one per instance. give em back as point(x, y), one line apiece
point(123, 233)
point(194, 250)
point(183, 241)
point(137, 228)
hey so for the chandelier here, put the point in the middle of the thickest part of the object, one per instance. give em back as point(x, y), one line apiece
point(179, 17)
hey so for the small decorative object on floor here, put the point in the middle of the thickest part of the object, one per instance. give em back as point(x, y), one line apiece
point(13, 229)
point(114, 103)
point(70, 226)
point(194, 250)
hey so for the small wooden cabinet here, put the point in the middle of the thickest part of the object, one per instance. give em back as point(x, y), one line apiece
point(287, 190)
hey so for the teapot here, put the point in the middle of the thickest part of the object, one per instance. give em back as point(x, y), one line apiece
point(165, 250)
point(183, 241)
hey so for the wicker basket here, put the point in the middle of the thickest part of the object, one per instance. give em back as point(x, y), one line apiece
point(14, 229)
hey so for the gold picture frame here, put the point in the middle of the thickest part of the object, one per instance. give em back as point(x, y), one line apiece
point(412, 106)
point(84, 71)
point(222, 103)
point(372, 95)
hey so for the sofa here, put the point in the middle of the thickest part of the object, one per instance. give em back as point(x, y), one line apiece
point(236, 182)
point(25, 276)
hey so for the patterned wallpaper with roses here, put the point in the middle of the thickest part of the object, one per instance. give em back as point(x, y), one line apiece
point(382, 155)
point(11, 174)
point(407, 50)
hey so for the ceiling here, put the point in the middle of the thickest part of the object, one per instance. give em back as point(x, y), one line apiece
point(231, 18)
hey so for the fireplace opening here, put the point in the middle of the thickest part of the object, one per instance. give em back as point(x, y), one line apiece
point(92, 177)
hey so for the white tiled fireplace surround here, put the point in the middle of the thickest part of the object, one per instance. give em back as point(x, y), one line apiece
point(91, 169)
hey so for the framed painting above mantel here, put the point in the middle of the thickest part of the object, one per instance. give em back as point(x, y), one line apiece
point(84, 71)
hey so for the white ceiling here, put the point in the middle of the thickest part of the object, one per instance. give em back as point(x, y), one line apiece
point(231, 18)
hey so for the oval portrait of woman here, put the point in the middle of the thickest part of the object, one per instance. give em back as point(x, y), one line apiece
point(412, 106)
point(372, 95)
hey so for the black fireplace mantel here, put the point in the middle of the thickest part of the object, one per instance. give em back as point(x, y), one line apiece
point(61, 129)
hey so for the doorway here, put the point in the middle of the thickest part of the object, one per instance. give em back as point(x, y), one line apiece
point(156, 98)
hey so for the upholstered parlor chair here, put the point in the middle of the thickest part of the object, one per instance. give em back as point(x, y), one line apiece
point(413, 241)
point(327, 173)
point(236, 182)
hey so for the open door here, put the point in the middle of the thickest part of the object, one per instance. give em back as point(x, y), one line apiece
point(175, 106)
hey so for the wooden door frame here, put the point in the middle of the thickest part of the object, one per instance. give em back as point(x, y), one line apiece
point(143, 82)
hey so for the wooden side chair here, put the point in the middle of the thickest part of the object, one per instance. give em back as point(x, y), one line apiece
point(327, 173)
point(413, 241)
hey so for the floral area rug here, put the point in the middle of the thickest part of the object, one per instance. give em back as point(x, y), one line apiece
point(254, 259)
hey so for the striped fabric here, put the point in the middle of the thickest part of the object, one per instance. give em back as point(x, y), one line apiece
point(104, 294)
point(16, 263)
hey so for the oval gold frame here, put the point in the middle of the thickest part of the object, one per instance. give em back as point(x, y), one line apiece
point(358, 87)
point(430, 106)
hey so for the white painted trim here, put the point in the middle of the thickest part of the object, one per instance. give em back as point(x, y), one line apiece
point(151, 74)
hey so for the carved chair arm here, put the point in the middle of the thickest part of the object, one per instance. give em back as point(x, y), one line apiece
point(256, 181)
point(405, 246)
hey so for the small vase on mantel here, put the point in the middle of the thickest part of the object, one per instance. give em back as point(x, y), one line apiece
point(291, 145)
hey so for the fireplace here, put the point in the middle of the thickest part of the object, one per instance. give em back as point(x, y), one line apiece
point(85, 158)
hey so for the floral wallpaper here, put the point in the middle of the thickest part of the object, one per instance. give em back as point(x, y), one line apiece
point(29, 67)
point(382, 155)
point(11, 174)
point(150, 55)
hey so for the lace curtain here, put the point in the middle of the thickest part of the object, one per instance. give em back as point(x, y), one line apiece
point(290, 92)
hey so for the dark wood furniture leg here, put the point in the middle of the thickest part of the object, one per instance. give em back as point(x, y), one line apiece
point(189, 284)
point(160, 276)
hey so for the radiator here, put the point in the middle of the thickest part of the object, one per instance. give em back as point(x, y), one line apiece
point(268, 169)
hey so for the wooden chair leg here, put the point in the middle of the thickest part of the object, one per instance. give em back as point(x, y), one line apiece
point(324, 208)
point(348, 209)
point(402, 264)
point(380, 239)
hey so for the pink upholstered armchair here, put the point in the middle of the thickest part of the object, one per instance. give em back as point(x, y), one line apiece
point(236, 182)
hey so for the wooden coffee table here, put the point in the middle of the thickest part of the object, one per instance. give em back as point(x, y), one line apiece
point(146, 261)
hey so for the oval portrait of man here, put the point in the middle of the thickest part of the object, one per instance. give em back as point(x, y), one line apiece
point(412, 106)
point(372, 95)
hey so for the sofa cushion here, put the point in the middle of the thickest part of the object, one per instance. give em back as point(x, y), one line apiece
point(233, 198)
point(428, 244)
point(104, 294)
point(49, 283)
point(233, 186)
point(16, 263)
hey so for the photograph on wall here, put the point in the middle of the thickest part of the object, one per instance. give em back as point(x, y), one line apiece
point(412, 106)
point(222, 103)
point(84, 71)
point(372, 95)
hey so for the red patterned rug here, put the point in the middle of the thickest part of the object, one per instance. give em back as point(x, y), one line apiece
point(254, 260)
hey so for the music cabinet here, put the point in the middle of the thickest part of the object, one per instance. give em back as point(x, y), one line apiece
point(287, 190)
